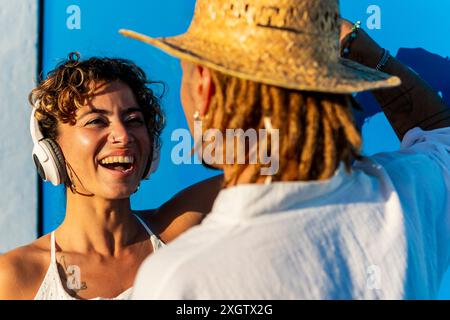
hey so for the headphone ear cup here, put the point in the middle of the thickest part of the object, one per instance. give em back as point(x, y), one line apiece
point(39, 166)
point(155, 159)
point(58, 158)
point(153, 163)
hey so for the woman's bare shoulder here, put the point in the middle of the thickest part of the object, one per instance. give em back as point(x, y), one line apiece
point(23, 269)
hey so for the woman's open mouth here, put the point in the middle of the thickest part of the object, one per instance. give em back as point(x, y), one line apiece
point(119, 165)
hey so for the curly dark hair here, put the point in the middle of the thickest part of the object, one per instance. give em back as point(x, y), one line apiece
point(70, 85)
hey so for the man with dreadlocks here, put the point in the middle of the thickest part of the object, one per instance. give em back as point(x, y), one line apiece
point(329, 223)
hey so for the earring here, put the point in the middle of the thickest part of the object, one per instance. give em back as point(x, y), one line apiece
point(268, 126)
point(268, 123)
point(197, 116)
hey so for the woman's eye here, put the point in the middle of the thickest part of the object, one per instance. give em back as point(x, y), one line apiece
point(96, 122)
point(135, 120)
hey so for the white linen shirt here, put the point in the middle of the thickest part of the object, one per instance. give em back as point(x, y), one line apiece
point(381, 232)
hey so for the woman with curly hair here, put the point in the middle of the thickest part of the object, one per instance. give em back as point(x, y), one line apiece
point(102, 123)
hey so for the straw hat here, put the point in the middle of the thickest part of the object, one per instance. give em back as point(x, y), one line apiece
point(287, 43)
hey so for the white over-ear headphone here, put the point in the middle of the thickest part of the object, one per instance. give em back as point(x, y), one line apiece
point(47, 154)
point(154, 162)
point(49, 159)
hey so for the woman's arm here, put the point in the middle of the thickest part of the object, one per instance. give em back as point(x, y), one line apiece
point(20, 274)
point(9, 289)
point(185, 210)
point(414, 103)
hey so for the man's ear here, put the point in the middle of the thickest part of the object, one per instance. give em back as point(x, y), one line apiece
point(205, 89)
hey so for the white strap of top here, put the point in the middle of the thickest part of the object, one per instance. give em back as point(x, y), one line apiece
point(145, 225)
point(53, 247)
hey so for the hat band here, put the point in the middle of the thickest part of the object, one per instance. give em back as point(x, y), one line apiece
point(290, 18)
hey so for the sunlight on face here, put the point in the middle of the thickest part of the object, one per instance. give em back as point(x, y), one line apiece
point(109, 146)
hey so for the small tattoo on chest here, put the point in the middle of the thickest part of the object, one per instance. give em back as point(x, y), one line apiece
point(72, 277)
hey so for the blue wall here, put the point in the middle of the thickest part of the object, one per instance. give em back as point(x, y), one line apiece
point(405, 26)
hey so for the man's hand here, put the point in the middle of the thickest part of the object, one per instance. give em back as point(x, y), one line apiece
point(414, 103)
point(366, 52)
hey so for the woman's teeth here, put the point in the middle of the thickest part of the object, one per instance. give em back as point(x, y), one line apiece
point(118, 163)
point(118, 160)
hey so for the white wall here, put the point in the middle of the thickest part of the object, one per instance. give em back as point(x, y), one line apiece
point(18, 181)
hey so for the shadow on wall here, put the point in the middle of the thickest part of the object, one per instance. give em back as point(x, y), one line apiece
point(431, 67)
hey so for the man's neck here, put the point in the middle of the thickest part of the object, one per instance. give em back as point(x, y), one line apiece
point(245, 177)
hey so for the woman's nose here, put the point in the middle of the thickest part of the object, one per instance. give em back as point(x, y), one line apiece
point(120, 134)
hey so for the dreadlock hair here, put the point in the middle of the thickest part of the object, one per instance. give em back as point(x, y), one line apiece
point(316, 130)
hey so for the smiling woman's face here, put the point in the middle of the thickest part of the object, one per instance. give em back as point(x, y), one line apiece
point(108, 147)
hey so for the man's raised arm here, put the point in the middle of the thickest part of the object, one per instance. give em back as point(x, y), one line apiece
point(414, 103)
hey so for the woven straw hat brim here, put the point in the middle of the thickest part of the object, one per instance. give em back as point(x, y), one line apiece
point(340, 77)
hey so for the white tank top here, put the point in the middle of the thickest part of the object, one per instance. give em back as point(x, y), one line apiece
point(52, 287)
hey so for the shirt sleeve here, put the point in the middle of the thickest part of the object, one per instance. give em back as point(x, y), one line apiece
point(435, 142)
point(426, 160)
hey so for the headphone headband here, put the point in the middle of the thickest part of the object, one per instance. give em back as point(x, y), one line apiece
point(36, 133)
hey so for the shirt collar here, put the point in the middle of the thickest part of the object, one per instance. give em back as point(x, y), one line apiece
point(250, 200)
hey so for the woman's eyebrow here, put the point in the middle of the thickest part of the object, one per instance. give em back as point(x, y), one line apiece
point(94, 110)
point(103, 111)
point(133, 109)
